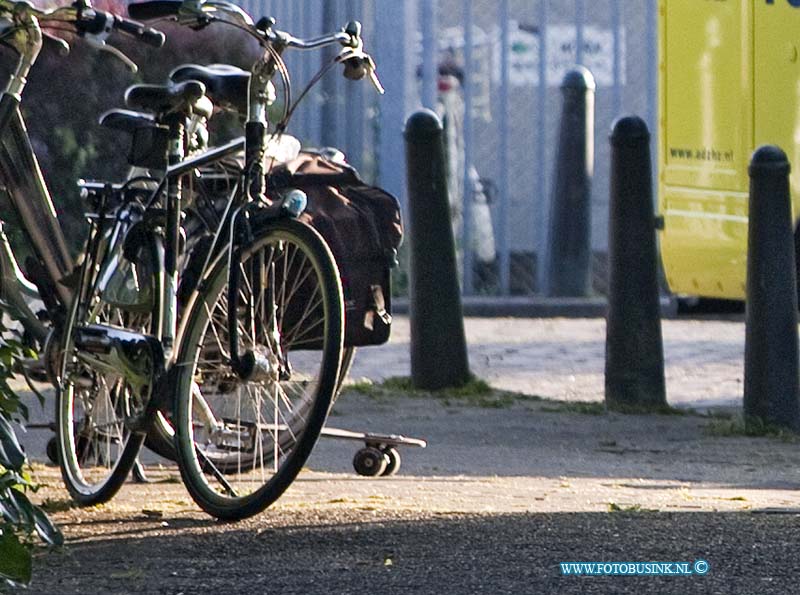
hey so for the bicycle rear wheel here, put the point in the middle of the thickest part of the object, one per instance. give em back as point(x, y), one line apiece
point(99, 416)
point(241, 443)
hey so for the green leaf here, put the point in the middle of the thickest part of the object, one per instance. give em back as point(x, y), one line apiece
point(16, 479)
point(35, 519)
point(15, 559)
point(11, 453)
point(23, 410)
point(8, 403)
point(24, 477)
point(9, 479)
point(46, 529)
point(8, 509)
point(25, 509)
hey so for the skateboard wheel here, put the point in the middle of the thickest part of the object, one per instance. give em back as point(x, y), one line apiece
point(370, 462)
point(392, 461)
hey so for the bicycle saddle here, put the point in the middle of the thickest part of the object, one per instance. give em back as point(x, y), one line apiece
point(184, 97)
point(125, 120)
point(226, 85)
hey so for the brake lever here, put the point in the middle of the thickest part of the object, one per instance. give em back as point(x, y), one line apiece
point(357, 64)
point(373, 76)
point(100, 44)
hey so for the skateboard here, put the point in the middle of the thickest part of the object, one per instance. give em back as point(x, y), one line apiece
point(379, 456)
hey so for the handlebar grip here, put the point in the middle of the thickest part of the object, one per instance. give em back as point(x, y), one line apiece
point(147, 35)
point(155, 9)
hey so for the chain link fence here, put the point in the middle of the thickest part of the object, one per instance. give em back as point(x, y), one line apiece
point(492, 70)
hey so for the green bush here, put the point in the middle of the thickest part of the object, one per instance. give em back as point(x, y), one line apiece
point(20, 520)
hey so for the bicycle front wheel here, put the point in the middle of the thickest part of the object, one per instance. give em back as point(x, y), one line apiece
point(241, 443)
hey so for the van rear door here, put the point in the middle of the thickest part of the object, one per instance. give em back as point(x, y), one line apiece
point(706, 117)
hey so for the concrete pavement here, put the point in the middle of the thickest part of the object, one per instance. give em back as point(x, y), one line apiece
point(554, 358)
point(564, 358)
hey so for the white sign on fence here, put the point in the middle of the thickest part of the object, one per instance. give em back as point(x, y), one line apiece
point(598, 55)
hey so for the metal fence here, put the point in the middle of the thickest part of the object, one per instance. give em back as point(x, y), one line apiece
point(493, 69)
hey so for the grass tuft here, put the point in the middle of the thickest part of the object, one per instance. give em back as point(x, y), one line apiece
point(614, 507)
point(580, 407)
point(400, 383)
point(474, 392)
point(362, 387)
point(51, 505)
point(629, 409)
point(752, 427)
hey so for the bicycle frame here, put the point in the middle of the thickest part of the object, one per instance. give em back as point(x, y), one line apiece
point(168, 300)
point(33, 209)
point(44, 273)
point(30, 201)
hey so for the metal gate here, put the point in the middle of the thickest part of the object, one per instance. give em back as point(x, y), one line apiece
point(492, 68)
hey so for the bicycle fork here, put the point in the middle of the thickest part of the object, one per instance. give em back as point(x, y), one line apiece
point(256, 282)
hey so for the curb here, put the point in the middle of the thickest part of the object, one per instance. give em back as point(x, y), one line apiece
point(536, 307)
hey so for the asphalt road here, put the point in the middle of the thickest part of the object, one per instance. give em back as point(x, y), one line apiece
point(362, 551)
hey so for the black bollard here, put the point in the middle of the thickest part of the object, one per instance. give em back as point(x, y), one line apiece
point(438, 344)
point(770, 353)
point(634, 346)
point(569, 251)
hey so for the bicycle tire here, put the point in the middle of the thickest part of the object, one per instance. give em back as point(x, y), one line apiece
point(160, 438)
point(344, 369)
point(224, 426)
point(98, 449)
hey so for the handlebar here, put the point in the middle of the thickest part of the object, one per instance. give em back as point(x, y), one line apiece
point(87, 21)
point(200, 13)
point(148, 35)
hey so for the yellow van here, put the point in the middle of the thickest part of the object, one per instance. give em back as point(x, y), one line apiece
point(729, 77)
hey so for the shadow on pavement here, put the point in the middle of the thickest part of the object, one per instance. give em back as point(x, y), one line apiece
point(352, 551)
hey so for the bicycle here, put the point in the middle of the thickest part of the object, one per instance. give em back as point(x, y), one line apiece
point(236, 455)
point(105, 355)
point(48, 270)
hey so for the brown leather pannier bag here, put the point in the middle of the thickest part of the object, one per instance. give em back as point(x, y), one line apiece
point(363, 227)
